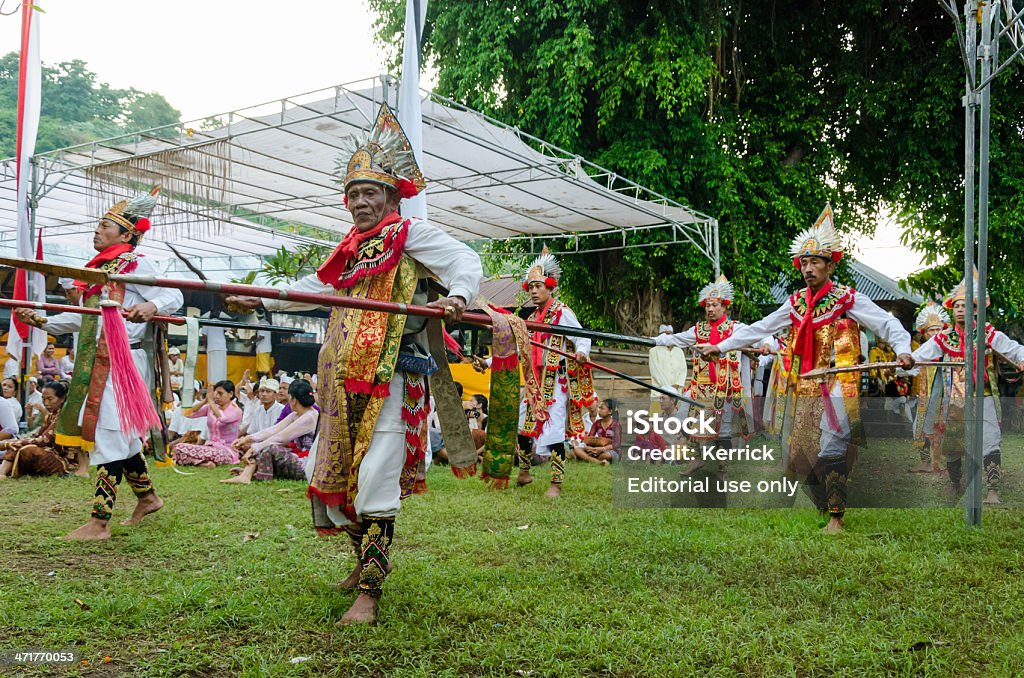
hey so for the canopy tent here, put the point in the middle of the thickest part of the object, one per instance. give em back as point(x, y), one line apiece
point(247, 182)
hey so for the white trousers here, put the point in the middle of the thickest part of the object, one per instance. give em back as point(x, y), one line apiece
point(380, 471)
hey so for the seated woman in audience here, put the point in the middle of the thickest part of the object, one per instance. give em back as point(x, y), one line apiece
point(281, 451)
point(39, 455)
point(9, 391)
point(476, 412)
point(602, 446)
point(223, 417)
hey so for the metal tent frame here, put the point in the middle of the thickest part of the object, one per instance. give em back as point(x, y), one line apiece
point(263, 176)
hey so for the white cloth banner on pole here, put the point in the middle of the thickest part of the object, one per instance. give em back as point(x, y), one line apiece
point(29, 102)
point(409, 113)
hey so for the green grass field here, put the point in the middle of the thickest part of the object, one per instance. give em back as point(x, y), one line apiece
point(232, 581)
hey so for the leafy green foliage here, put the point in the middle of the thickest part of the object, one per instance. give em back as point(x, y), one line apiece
point(285, 265)
point(77, 108)
point(754, 112)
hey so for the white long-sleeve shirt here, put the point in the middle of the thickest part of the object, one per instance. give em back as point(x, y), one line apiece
point(167, 301)
point(454, 263)
point(864, 312)
point(1000, 343)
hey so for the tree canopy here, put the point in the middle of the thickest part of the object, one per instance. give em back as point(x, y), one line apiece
point(76, 107)
point(754, 112)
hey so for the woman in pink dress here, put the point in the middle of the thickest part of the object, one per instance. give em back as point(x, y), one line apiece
point(223, 417)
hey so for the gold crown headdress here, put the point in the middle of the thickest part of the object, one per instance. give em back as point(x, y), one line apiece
point(932, 315)
point(383, 156)
point(544, 269)
point(959, 293)
point(820, 240)
point(133, 214)
point(721, 289)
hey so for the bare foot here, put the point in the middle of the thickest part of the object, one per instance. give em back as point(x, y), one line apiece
point(835, 525)
point(237, 480)
point(691, 468)
point(148, 503)
point(524, 478)
point(94, 530)
point(554, 491)
point(925, 467)
point(3, 476)
point(363, 611)
point(992, 498)
point(82, 471)
point(352, 580)
point(605, 462)
point(208, 464)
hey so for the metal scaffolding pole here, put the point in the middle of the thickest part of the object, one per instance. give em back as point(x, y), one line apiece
point(972, 500)
point(983, 27)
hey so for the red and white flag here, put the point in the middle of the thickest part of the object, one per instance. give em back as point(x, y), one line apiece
point(409, 110)
point(29, 98)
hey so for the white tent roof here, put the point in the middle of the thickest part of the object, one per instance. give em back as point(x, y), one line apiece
point(236, 182)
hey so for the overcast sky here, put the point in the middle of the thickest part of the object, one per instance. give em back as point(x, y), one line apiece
point(216, 56)
point(208, 57)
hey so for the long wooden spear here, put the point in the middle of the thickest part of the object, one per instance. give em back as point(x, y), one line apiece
point(638, 382)
point(171, 319)
point(863, 367)
point(95, 276)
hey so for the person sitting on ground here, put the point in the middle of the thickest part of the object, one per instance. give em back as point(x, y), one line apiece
point(177, 368)
point(476, 412)
point(602, 446)
point(8, 421)
point(67, 364)
point(223, 417)
point(281, 451)
point(264, 411)
point(40, 455)
point(47, 365)
point(9, 392)
point(35, 411)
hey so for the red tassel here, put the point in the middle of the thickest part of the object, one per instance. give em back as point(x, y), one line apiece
point(830, 411)
point(451, 344)
point(329, 531)
point(510, 362)
point(463, 473)
point(138, 415)
point(420, 486)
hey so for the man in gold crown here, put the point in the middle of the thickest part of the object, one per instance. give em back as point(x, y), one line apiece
point(90, 419)
point(948, 391)
point(722, 385)
point(927, 436)
point(566, 384)
point(373, 365)
point(823, 320)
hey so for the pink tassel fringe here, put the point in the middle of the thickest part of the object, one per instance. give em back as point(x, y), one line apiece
point(138, 415)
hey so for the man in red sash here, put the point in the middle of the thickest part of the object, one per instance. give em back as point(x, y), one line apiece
point(373, 365)
point(824, 319)
point(566, 384)
point(89, 419)
point(722, 385)
point(947, 392)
